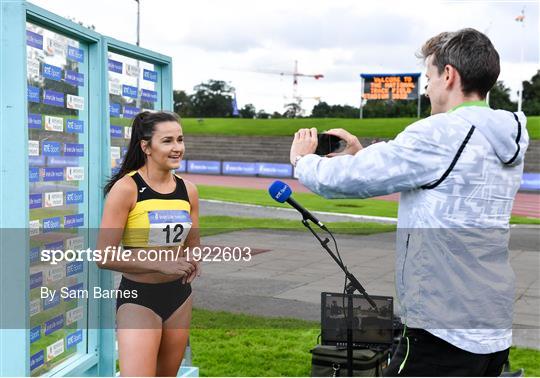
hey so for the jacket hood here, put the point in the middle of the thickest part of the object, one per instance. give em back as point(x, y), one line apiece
point(505, 131)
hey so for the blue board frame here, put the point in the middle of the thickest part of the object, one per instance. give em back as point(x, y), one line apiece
point(107, 365)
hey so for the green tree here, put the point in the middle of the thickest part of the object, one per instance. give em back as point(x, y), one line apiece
point(212, 99)
point(345, 111)
point(374, 109)
point(248, 111)
point(321, 110)
point(499, 97)
point(261, 114)
point(182, 104)
point(425, 106)
point(396, 109)
point(531, 95)
point(377, 109)
point(293, 110)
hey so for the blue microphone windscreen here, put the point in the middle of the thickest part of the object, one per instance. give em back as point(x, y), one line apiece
point(280, 191)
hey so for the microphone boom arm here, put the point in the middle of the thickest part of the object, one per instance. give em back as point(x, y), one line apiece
point(352, 279)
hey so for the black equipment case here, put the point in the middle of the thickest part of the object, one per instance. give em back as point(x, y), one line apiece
point(329, 361)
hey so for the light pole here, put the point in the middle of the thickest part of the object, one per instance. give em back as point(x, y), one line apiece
point(138, 22)
point(138, 102)
point(521, 19)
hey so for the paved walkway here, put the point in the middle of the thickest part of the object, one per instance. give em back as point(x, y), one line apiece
point(526, 204)
point(287, 279)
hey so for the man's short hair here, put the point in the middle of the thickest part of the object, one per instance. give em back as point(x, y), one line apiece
point(471, 53)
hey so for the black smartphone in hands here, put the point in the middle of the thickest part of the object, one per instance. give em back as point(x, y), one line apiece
point(328, 143)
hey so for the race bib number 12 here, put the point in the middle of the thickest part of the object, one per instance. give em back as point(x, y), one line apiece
point(168, 227)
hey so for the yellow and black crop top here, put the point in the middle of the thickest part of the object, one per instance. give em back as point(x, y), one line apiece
point(158, 219)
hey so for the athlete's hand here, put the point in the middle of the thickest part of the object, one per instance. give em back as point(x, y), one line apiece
point(179, 267)
point(194, 274)
point(353, 144)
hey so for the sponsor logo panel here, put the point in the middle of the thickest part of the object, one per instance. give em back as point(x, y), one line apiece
point(53, 98)
point(56, 349)
point(35, 201)
point(34, 121)
point(53, 199)
point(37, 359)
point(115, 66)
point(75, 102)
point(34, 39)
point(51, 72)
point(33, 93)
point(54, 324)
point(150, 75)
point(74, 173)
point(74, 197)
point(75, 54)
point(74, 126)
point(54, 123)
point(33, 148)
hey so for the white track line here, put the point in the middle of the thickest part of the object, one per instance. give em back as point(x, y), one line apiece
point(350, 216)
point(370, 218)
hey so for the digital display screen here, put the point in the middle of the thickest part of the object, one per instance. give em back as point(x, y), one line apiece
point(390, 87)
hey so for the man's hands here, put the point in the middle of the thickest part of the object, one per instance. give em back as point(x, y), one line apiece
point(353, 145)
point(305, 142)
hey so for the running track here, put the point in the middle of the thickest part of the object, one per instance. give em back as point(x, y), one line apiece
point(526, 204)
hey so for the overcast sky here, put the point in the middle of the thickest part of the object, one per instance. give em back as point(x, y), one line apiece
point(238, 40)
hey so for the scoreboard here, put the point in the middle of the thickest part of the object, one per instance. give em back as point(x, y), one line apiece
point(390, 86)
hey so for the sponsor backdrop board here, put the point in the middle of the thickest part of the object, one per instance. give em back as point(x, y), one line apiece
point(133, 87)
point(56, 146)
point(57, 77)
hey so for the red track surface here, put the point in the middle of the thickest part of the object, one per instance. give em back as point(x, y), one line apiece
point(526, 204)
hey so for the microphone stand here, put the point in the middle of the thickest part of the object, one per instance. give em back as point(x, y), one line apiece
point(352, 286)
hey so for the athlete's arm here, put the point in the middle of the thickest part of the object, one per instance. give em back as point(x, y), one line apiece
point(194, 237)
point(120, 200)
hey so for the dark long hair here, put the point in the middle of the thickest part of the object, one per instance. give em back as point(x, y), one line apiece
point(142, 128)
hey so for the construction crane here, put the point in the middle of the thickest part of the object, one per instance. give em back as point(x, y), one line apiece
point(295, 75)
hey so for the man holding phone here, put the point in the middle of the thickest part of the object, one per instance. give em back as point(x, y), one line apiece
point(329, 145)
point(458, 172)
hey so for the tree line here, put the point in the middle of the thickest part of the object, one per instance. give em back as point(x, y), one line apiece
point(215, 99)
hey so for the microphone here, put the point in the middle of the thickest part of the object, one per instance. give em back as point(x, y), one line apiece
point(282, 192)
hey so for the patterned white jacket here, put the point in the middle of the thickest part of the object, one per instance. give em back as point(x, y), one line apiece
point(458, 173)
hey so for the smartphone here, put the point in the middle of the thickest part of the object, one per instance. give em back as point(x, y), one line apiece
point(327, 143)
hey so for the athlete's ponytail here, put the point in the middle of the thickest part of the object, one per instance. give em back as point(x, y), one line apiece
point(142, 128)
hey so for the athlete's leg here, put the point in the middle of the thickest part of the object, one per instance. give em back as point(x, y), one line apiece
point(174, 340)
point(139, 337)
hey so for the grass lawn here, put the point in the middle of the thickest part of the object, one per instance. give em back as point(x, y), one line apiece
point(226, 344)
point(214, 224)
point(308, 200)
point(370, 127)
point(313, 202)
point(375, 127)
